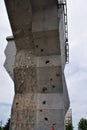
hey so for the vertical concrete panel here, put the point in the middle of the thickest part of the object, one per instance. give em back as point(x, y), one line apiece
point(46, 42)
point(62, 40)
point(46, 73)
point(10, 53)
point(49, 119)
point(25, 79)
point(45, 19)
point(50, 101)
point(54, 60)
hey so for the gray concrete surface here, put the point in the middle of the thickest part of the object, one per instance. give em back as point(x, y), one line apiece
point(37, 64)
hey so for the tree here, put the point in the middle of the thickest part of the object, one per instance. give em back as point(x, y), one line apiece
point(69, 126)
point(0, 128)
point(82, 125)
point(6, 127)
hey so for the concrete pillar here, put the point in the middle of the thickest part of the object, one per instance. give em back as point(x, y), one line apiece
point(41, 98)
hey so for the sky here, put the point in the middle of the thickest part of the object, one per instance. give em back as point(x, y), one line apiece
point(75, 71)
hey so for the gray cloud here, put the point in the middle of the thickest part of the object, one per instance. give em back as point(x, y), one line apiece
point(76, 70)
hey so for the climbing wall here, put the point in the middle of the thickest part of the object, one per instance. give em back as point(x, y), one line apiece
point(37, 68)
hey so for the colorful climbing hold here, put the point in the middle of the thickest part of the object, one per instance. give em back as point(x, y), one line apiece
point(57, 74)
point(54, 123)
point(52, 127)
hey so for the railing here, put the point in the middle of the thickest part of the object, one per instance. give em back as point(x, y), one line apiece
point(63, 3)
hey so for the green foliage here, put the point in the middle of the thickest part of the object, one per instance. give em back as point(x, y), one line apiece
point(6, 127)
point(0, 128)
point(69, 126)
point(82, 124)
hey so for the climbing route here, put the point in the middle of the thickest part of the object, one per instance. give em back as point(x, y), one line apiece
point(39, 54)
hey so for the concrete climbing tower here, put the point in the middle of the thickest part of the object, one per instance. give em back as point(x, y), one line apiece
point(36, 57)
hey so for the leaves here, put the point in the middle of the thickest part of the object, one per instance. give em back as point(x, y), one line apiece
point(6, 127)
point(1, 128)
point(69, 126)
point(82, 125)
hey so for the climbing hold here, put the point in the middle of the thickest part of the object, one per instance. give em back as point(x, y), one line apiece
point(44, 102)
point(42, 50)
point(57, 74)
point(46, 119)
point(44, 89)
point(36, 46)
point(53, 86)
point(54, 124)
point(51, 79)
point(53, 128)
point(17, 103)
point(41, 110)
point(47, 61)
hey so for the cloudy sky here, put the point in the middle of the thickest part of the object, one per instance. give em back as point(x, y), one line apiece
point(76, 70)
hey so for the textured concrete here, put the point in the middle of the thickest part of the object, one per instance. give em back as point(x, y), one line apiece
point(10, 53)
point(37, 64)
